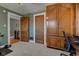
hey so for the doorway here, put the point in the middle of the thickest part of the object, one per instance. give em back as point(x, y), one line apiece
point(40, 28)
point(13, 28)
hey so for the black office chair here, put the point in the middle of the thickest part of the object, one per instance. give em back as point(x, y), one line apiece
point(67, 45)
point(66, 42)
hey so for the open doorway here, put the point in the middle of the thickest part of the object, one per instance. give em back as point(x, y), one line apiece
point(13, 28)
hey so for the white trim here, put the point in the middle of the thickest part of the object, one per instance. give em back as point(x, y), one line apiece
point(34, 28)
point(8, 29)
point(14, 16)
point(20, 27)
point(45, 30)
point(44, 26)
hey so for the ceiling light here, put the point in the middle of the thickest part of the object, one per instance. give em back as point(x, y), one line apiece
point(20, 3)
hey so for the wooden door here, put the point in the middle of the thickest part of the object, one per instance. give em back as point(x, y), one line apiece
point(52, 22)
point(52, 25)
point(66, 19)
point(39, 29)
point(24, 29)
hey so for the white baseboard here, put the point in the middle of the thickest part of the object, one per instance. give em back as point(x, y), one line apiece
point(31, 41)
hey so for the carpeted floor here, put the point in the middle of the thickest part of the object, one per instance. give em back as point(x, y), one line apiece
point(30, 49)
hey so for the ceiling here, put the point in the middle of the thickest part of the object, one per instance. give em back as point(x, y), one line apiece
point(25, 8)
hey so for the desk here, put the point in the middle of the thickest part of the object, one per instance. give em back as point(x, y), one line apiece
point(77, 49)
point(75, 44)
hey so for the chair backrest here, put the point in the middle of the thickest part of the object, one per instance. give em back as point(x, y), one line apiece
point(66, 42)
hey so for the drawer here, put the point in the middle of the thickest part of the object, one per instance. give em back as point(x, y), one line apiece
point(62, 43)
point(58, 43)
point(55, 42)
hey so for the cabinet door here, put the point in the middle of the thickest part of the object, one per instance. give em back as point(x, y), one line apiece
point(52, 22)
point(58, 43)
point(66, 20)
point(62, 43)
point(77, 19)
point(53, 43)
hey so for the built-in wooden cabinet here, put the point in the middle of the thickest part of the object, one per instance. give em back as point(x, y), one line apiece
point(59, 17)
point(66, 19)
point(52, 21)
point(55, 42)
point(77, 19)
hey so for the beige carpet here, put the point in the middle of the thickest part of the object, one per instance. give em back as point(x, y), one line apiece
point(30, 49)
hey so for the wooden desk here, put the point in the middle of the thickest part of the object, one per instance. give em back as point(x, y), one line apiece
point(77, 49)
point(75, 44)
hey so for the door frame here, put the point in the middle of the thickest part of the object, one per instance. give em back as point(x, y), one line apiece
point(43, 13)
point(14, 16)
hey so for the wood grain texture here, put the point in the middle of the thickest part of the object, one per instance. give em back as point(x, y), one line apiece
point(24, 28)
point(66, 19)
point(39, 29)
point(52, 26)
point(60, 17)
point(77, 19)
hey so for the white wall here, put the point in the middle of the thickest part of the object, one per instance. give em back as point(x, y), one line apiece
point(14, 16)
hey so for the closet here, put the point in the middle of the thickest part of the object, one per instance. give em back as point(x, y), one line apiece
point(59, 17)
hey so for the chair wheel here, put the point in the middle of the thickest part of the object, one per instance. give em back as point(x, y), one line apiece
point(0, 53)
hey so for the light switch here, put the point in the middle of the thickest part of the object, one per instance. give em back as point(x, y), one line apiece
point(46, 17)
point(4, 11)
point(4, 25)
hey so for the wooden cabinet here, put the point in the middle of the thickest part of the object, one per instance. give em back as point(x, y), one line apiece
point(52, 21)
point(77, 19)
point(55, 42)
point(60, 17)
point(66, 19)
